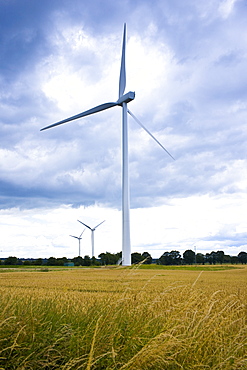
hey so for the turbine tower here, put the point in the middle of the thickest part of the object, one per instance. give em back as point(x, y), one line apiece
point(123, 100)
point(92, 235)
point(79, 238)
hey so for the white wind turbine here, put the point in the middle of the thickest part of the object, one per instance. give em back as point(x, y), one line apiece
point(92, 235)
point(79, 238)
point(123, 100)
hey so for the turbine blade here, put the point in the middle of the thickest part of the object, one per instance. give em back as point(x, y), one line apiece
point(99, 224)
point(85, 225)
point(99, 108)
point(74, 236)
point(149, 133)
point(122, 78)
point(82, 232)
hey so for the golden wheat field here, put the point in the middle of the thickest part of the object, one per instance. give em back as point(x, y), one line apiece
point(123, 318)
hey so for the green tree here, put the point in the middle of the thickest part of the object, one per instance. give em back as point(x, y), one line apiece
point(200, 258)
point(52, 261)
point(211, 258)
point(165, 259)
point(11, 261)
point(176, 257)
point(234, 260)
point(38, 262)
point(27, 263)
point(108, 258)
point(94, 261)
point(227, 258)
point(136, 257)
point(147, 257)
point(189, 257)
point(61, 261)
point(170, 258)
point(78, 261)
point(220, 257)
point(242, 257)
point(87, 261)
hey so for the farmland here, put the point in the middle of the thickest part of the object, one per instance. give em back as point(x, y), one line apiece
point(124, 318)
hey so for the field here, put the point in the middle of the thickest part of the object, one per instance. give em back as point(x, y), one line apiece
point(123, 318)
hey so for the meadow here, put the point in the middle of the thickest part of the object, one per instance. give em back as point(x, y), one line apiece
point(124, 318)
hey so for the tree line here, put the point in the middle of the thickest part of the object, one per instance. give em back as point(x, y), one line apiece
point(189, 257)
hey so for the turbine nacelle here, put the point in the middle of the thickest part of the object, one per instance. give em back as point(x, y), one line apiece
point(126, 98)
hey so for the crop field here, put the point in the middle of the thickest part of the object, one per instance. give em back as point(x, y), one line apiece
point(123, 318)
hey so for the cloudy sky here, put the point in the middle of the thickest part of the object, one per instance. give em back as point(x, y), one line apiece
point(186, 62)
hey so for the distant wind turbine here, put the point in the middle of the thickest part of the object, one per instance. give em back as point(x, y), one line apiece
point(123, 100)
point(92, 235)
point(79, 238)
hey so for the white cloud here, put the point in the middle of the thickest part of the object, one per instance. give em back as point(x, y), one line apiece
point(209, 223)
point(226, 7)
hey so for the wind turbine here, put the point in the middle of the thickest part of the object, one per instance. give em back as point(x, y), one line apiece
point(92, 235)
point(79, 238)
point(123, 100)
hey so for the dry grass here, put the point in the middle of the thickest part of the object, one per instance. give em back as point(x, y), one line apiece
point(123, 319)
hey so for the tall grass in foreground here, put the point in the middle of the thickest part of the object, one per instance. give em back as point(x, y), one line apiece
point(180, 326)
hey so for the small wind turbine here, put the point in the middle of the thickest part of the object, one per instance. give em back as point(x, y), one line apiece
point(79, 238)
point(92, 235)
point(123, 100)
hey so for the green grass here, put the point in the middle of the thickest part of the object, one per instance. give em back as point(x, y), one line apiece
point(191, 267)
point(206, 267)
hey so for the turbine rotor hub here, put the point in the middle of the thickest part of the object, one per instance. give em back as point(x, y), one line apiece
point(126, 98)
